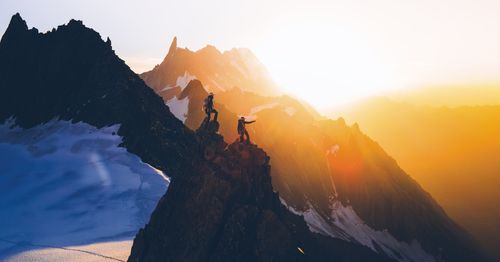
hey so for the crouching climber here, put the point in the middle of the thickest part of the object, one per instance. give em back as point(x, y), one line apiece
point(208, 106)
point(242, 131)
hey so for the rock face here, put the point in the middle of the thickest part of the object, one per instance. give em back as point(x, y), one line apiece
point(228, 211)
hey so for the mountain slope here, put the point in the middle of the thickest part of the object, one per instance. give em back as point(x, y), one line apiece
point(452, 152)
point(219, 71)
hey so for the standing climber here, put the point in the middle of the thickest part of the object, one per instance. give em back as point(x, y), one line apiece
point(242, 131)
point(208, 106)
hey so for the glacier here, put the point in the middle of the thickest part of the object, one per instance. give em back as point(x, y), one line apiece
point(71, 184)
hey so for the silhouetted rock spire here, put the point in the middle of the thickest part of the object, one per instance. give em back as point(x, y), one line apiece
point(173, 46)
point(17, 29)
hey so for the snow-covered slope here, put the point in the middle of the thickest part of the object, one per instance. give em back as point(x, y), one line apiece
point(345, 224)
point(65, 184)
point(99, 252)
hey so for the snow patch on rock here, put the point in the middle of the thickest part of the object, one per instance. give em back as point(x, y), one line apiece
point(166, 88)
point(287, 109)
point(259, 108)
point(179, 107)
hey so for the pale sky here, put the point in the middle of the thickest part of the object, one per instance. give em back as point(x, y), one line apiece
point(327, 52)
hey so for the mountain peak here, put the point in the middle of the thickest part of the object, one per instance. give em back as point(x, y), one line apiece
point(195, 84)
point(173, 46)
point(77, 23)
point(194, 89)
point(17, 34)
point(17, 23)
point(209, 50)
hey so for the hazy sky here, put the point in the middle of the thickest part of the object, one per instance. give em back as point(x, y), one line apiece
point(328, 52)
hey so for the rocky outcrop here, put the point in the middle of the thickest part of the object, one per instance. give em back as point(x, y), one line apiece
point(228, 211)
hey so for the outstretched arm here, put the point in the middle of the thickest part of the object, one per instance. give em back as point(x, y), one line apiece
point(249, 122)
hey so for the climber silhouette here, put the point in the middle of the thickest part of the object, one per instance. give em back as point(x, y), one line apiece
point(208, 106)
point(242, 131)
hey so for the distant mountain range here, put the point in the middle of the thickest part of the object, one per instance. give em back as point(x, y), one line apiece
point(339, 195)
point(237, 67)
point(450, 96)
point(451, 151)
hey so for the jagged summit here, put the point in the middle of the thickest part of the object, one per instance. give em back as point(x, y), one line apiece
point(75, 22)
point(18, 31)
point(17, 22)
point(219, 71)
point(209, 51)
point(17, 28)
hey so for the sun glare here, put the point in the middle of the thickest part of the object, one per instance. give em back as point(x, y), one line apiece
point(323, 64)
